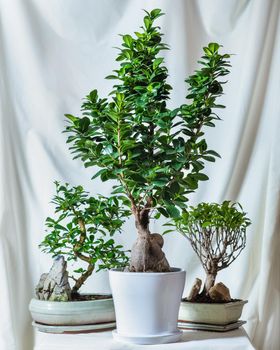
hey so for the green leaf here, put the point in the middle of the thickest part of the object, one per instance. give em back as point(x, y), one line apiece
point(108, 149)
point(219, 106)
point(84, 124)
point(111, 77)
point(137, 177)
point(156, 13)
point(209, 158)
point(163, 212)
point(117, 190)
point(93, 95)
point(214, 153)
point(200, 176)
point(175, 187)
point(60, 227)
point(177, 165)
point(173, 211)
point(71, 117)
point(99, 173)
point(128, 40)
point(191, 181)
point(104, 176)
point(159, 183)
point(157, 62)
point(80, 270)
point(206, 224)
point(147, 22)
point(207, 51)
point(167, 231)
point(157, 216)
point(213, 47)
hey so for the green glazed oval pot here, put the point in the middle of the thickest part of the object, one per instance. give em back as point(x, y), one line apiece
point(219, 314)
point(72, 312)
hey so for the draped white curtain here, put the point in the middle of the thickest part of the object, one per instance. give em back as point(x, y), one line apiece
point(53, 53)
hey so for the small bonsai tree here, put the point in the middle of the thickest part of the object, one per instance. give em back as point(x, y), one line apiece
point(156, 154)
point(81, 229)
point(217, 233)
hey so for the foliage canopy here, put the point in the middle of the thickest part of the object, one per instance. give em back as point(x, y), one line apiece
point(82, 229)
point(217, 233)
point(157, 154)
point(227, 216)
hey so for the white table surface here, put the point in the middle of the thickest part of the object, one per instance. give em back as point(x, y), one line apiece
point(233, 340)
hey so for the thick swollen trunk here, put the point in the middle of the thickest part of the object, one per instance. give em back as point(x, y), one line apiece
point(146, 253)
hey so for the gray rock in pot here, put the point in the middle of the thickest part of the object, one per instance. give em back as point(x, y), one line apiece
point(54, 286)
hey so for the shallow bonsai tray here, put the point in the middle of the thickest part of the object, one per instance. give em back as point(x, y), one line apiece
point(211, 313)
point(85, 328)
point(72, 313)
point(210, 327)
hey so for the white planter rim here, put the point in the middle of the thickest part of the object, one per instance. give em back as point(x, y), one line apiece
point(173, 270)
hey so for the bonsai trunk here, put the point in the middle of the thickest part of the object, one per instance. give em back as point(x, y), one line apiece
point(209, 282)
point(84, 276)
point(81, 280)
point(146, 253)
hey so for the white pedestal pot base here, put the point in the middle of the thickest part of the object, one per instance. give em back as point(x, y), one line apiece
point(147, 305)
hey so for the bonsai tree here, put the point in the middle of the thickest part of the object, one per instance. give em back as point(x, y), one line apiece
point(82, 231)
point(217, 234)
point(156, 154)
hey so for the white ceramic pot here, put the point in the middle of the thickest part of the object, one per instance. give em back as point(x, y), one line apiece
point(147, 305)
point(68, 313)
point(219, 314)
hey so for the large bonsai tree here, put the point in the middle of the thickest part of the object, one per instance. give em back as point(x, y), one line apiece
point(155, 153)
point(82, 232)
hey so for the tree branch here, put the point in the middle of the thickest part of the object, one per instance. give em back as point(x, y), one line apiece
point(80, 281)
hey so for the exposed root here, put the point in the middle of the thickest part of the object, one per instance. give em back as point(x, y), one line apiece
point(147, 254)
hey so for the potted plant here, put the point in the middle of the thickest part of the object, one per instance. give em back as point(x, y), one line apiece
point(81, 233)
point(217, 234)
point(156, 155)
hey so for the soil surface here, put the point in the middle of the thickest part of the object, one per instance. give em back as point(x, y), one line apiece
point(207, 300)
point(85, 297)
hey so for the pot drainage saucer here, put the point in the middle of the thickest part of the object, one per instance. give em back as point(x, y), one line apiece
point(85, 328)
point(210, 327)
point(151, 339)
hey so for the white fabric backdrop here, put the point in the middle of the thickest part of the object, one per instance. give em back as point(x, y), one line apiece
point(53, 53)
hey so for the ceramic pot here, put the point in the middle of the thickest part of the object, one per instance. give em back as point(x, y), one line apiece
point(219, 314)
point(68, 313)
point(147, 305)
